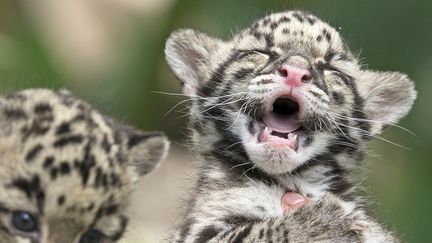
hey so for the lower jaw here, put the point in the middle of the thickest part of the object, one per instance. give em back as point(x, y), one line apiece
point(276, 142)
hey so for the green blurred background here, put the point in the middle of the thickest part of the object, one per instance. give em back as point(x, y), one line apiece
point(111, 53)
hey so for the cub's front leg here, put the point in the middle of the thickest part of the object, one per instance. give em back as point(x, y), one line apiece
point(323, 220)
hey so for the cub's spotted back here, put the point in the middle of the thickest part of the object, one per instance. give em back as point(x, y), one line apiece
point(66, 171)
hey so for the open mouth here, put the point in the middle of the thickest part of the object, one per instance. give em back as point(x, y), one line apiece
point(281, 123)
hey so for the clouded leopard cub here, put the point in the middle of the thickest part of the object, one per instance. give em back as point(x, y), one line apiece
point(284, 106)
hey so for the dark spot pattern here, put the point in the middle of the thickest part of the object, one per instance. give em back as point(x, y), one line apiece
point(298, 17)
point(63, 155)
point(49, 161)
point(33, 153)
point(42, 108)
point(61, 200)
point(63, 128)
point(14, 114)
point(68, 140)
point(65, 168)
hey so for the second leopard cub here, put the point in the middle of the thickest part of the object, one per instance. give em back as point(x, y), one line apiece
point(282, 106)
point(67, 171)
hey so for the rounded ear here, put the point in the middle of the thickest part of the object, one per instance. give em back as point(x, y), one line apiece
point(188, 53)
point(388, 96)
point(145, 150)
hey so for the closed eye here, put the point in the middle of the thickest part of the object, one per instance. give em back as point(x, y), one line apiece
point(264, 53)
point(329, 67)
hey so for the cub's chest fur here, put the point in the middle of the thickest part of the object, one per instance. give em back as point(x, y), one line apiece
point(258, 199)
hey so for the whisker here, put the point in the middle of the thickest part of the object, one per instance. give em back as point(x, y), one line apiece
point(235, 166)
point(374, 121)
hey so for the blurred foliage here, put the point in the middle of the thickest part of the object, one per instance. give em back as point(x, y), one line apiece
point(388, 34)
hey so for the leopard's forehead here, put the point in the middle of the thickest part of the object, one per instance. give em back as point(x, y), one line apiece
point(292, 33)
point(58, 155)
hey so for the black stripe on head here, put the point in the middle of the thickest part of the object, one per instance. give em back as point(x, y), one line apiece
point(274, 25)
point(298, 17)
point(284, 19)
point(30, 187)
point(357, 111)
point(254, 27)
point(317, 95)
point(269, 39)
point(266, 21)
point(86, 164)
point(329, 55)
point(258, 35)
point(242, 73)
point(35, 129)
point(321, 84)
point(207, 233)
point(326, 34)
point(217, 77)
point(68, 140)
point(310, 20)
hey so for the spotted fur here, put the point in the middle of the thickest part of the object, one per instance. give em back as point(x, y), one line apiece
point(69, 167)
point(232, 84)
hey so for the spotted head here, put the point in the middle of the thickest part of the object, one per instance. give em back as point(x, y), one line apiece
point(284, 93)
point(66, 171)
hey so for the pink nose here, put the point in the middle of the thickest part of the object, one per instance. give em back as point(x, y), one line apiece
point(293, 75)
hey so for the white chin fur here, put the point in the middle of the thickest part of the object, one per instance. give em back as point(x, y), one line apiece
point(274, 161)
point(277, 161)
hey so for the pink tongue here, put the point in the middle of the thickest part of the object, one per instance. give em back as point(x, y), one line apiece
point(281, 123)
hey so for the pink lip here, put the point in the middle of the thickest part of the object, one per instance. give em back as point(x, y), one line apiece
point(291, 142)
